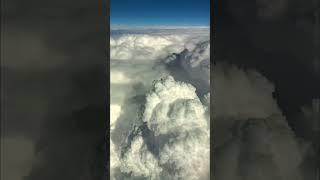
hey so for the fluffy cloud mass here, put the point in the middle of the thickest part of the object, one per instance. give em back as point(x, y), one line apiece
point(171, 105)
point(173, 138)
point(159, 123)
point(156, 44)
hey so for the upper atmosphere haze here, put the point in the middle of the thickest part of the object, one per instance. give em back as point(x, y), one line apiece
point(159, 13)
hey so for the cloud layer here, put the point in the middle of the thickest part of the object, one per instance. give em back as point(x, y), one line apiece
point(157, 120)
point(152, 44)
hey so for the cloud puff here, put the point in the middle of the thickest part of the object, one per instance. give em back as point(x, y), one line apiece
point(139, 161)
point(174, 112)
point(173, 104)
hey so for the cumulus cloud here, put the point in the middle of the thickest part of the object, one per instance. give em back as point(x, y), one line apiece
point(176, 104)
point(174, 108)
point(162, 119)
point(175, 118)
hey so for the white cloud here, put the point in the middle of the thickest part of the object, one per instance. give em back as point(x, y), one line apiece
point(153, 45)
point(187, 156)
point(173, 104)
point(172, 110)
point(115, 111)
point(143, 92)
point(139, 161)
point(118, 77)
point(159, 28)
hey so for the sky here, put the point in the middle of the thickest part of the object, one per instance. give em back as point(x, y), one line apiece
point(160, 13)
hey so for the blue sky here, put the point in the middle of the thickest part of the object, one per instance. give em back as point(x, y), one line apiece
point(160, 12)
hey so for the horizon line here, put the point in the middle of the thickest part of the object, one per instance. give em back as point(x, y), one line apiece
point(124, 27)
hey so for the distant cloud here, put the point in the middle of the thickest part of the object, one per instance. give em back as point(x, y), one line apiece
point(126, 27)
point(152, 44)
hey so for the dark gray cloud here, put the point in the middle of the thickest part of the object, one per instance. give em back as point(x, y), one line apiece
point(275, 39)
point(278, 44)
point(53, 88)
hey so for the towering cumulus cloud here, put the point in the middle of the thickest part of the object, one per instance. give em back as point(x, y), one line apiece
point(174, 110)
point(159, 121)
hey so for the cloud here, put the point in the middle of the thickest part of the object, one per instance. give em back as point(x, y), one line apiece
point(255, 36)
point(260, 149)
point(115, 111)
point(242, 94)
point(252, 138)
point(158, 28)
point(165, 120)
point(139, 161)
point(192, 65)
point(187, 156)
point(174, 108)
point(162, 119)
point(151, 45)
point(173, 104)
point(258, 35)
point(173, 137)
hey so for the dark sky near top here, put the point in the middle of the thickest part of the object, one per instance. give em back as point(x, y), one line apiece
point(164, 12)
